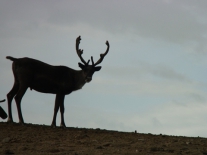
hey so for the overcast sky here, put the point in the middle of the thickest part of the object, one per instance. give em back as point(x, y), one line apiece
point(153, 80)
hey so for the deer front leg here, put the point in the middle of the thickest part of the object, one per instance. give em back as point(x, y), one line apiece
point(62, 110)
point(59, 103)
point(56, 108)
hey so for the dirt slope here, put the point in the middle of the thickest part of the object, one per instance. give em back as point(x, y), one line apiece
point(42, 140)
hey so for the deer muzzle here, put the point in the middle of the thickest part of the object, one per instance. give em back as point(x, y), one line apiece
point(88, 79)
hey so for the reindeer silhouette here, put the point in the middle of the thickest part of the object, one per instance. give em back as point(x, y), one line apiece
point(45, 78)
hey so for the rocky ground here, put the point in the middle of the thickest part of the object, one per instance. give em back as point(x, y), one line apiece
point(43, 140)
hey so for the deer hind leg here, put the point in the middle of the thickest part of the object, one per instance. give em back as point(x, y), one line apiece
point(18, 98)
point(10, 97)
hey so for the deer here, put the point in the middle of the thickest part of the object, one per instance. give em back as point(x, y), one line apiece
point(45, 78)
point(3, 114)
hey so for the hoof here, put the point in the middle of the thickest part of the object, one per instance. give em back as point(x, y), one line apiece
point(63, 126)
point(10, 121)
point(53, 125)
point(22, 123)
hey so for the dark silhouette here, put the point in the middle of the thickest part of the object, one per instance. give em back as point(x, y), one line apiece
point(45, 78)
point(3, 114)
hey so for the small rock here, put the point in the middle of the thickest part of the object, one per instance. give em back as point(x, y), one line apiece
point(99, 147)
point(95, 141)
point(54, 150)
point(8, 152)
point(154, 149)
point(171, 151)
point(6, 140)
point(107, 144)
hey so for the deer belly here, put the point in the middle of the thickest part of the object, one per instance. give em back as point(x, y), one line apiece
point(50, 86)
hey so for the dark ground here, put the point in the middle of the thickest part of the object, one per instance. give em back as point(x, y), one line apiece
point(42, 140)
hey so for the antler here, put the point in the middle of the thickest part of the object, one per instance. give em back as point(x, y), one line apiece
point(101, 55)
point(79, 51)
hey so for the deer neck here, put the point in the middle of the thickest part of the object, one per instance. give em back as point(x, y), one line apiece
point(79, 80)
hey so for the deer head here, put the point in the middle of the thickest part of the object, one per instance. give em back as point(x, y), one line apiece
point(88, 70)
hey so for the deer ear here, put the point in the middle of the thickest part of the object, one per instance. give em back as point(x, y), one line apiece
point(81, 65)
point(98, 68)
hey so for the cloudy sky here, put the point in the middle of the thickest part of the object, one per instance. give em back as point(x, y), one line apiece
point(153, 80)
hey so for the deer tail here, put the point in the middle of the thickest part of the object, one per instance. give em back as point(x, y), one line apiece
point(11, 58)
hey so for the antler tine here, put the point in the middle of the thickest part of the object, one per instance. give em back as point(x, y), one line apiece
point(79, 51)
point(102, 55)
point(92, 60)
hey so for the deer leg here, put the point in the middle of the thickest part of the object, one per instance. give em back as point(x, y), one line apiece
point(56, 108)
point(62, 110)
point(18, 99)
point(10, 97)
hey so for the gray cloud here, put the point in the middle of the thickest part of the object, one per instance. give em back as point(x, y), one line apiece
point(173, 21)
point(143, 70)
